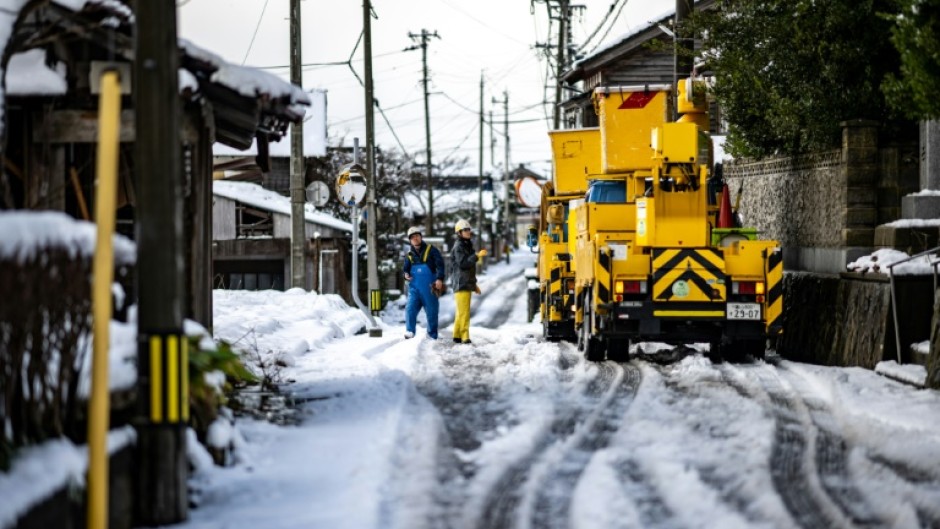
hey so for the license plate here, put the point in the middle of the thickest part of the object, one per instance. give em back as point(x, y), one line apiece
point(743, 311)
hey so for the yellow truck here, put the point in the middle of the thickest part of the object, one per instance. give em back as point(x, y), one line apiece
point(633, 245)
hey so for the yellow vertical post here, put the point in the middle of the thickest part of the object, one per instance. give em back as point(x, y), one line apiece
point(109, 123)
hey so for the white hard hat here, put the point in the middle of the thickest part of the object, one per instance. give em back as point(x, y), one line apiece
point(413, 230)
point(462, 225)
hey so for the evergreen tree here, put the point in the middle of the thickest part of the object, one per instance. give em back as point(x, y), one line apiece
point(916, 35)
point(787, 72)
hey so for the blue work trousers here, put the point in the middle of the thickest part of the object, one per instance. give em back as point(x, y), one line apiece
point(420, 296)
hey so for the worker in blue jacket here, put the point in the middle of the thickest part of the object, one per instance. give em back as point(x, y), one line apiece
point(424, 271)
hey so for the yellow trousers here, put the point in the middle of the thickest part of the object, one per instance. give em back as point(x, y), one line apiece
point(462, 318)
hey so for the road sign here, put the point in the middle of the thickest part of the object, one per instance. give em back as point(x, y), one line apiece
point(318, 194)
point(529, 192)
point(351, 185)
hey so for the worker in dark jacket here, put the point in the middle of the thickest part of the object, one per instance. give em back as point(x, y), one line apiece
point(463, 265)
point(424, 271)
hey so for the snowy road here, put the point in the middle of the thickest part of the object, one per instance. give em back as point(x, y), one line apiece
point(514, 432)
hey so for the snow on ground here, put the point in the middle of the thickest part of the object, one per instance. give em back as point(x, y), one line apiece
point(694, 446)
point(363, 425)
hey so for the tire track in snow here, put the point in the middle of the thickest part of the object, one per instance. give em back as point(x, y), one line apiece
point(651, 508)
point(501, 315)
point(805, 461)
point(501, 506)
point(552, 504)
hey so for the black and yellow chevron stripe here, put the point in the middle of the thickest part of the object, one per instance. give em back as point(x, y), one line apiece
point(688, 275)
point(168, 371)
point(554, 291)
point(773, 304)
point(603, 276)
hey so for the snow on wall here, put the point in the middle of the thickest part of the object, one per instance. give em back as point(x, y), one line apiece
point(28, 74)
point(24, 233)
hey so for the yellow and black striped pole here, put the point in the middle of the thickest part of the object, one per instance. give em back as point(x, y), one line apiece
point(168, 377)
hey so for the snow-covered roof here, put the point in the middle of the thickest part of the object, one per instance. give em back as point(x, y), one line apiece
point(249, 82)
point(314, 134)
point(267, 200)
point(445, 201)
point(624, 37)
point(24, 233)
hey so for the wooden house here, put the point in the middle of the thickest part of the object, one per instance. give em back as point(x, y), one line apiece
point(51, 63)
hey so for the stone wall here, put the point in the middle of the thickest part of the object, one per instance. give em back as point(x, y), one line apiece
point(795, 200)
point(834, 322)
point(846, 320)
point(823, 207)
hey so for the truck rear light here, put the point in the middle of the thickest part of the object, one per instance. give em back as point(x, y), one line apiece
point(569, 286)
point(747, 287)
point(629, 287)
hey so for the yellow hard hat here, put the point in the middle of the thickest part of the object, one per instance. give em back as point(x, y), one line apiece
point(461, 225)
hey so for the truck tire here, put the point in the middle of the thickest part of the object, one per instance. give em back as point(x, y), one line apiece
point(594, 350)
point(618, 350)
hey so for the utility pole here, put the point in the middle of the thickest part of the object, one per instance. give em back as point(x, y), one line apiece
point(560, 10)
point(162, 362)
point(480, 179)
point(371, 240)
point(562, 33)
point(298, 197)
point(682, 51)
point(423, 38)
point(506, 177)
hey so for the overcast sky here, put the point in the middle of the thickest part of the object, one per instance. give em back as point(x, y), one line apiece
point(496, 37)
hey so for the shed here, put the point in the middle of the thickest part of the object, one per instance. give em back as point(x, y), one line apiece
point(251, 231)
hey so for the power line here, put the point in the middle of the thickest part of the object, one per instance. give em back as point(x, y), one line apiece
point(255, 34)
point(612, 22)
point(599, 26)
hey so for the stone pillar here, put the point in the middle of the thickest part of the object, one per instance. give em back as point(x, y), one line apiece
point(930, 155)
point(860, 163)
point(926, 206)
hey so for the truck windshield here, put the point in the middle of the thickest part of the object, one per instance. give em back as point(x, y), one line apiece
point(607, 192)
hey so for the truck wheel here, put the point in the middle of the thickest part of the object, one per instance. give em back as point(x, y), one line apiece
point(593, 346)
point(715, 352)
point(619, 350)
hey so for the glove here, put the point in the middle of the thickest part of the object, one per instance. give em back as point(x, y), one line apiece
point(482, 253)
point(407, 277)
point(477, 288)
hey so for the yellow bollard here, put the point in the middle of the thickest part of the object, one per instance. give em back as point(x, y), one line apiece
point(109, 124)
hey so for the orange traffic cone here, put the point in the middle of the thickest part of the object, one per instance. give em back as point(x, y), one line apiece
point(724, 210)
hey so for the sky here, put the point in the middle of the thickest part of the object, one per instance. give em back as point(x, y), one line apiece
point(494, 37)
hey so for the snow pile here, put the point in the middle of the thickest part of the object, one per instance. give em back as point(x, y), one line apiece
point(880, 260)
point(289, 324)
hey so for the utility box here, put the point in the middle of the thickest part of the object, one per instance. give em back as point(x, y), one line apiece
point(577, 154)
point(627, 116)
point(676, 143)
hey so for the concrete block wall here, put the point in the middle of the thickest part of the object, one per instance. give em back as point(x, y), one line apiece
point(824, 207)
